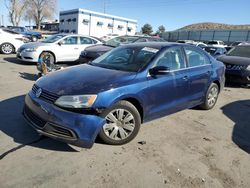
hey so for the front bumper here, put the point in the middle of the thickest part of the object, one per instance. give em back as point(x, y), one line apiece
point(27, 56)
point(238, 76)
point(52, 121)
point(84, 59)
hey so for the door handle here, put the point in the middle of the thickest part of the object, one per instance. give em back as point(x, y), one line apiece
point(75, 48)
point(185, 78)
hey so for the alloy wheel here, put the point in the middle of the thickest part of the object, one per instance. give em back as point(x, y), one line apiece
point(7, 48)
point(120, 124)
point(212, 96)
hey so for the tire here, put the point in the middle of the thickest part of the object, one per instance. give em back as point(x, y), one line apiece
point(34, 38)
point(211, 97)
point(7, 48)
point(123, 123)
point(48, 58)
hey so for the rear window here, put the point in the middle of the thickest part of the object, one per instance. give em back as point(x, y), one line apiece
point(240, 51)
point(212, 42)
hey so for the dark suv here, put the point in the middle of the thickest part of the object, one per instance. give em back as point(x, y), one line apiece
point(92, 52)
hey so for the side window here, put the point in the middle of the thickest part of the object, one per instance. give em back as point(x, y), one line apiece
point(94, 41)
point(141, 40)
point(172, 58)
point(70, 41)
point(85, 40)
point(195, 57)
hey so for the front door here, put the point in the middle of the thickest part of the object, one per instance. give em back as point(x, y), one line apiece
point(167, 93)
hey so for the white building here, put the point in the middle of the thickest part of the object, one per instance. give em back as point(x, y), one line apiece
point(96, 24)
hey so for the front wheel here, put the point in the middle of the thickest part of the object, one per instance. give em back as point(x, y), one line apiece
point(211, 97)
point(7, 48)
point(122, 123)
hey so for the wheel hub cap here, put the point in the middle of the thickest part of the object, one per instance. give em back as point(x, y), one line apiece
point(119, 124)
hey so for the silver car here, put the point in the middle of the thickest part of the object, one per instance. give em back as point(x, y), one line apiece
point(56, 48)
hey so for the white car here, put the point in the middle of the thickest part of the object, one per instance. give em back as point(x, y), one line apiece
point(109, 36)
point(10, 41)
point(216, 43)
point(56, 48)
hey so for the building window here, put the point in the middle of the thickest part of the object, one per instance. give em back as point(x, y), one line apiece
point(62, 31)
point(69, 20)
point(85, 21)
point(110, 25)
point(129, 29)
point(66, 31)
point(100, 23)
point(62, 20)
point(120, 27)
point(74, 20)
point(73, 31)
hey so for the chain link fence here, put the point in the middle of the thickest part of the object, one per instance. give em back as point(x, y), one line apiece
point(228, 36)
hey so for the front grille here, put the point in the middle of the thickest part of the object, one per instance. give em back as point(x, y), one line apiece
point(45, 95)
point(235, 67)
point(35, 119)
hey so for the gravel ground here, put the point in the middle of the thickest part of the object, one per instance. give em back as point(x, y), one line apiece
point(192, 148)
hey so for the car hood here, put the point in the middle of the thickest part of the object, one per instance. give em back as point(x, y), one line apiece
point(98, 48)
point(35, 44)
point(234, 60)
point(83, 79)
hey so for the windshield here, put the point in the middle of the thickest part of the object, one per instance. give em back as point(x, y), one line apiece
point(130, 59)
point(240, 51)
point(53, 38)
point(121, 40)
point(10, 31)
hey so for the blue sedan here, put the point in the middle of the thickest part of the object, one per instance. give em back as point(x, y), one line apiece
point(129, 85)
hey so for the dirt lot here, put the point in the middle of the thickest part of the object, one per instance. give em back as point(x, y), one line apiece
point(191, 148)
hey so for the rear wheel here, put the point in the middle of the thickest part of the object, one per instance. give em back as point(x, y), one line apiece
point(211, 97)
point(7, 48)
point(122, 123)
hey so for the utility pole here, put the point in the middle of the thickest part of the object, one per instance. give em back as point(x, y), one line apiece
point(104, 7)
point(2, 20)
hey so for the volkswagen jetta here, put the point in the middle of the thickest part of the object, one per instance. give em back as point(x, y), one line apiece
point(127, 86)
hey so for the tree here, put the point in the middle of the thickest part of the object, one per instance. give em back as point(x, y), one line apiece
point(39, 10)
point(161, 29)
point(147, 29)
point(15, 10)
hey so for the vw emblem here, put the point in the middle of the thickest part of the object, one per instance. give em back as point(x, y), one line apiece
point(38, 92)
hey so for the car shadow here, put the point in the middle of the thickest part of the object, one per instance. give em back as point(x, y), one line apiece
point(17, 61)
point(14, 125)
point(238, 112)
point(28, 76)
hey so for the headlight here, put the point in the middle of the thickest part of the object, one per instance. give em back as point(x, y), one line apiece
point(30, 49)
point(76, 101)
point(248, 67)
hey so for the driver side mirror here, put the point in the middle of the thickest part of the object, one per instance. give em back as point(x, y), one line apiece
point(159, 70)
point(60, 43)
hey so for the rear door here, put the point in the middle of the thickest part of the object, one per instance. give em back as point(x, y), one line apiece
point(167, 93)
point(200, 71)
